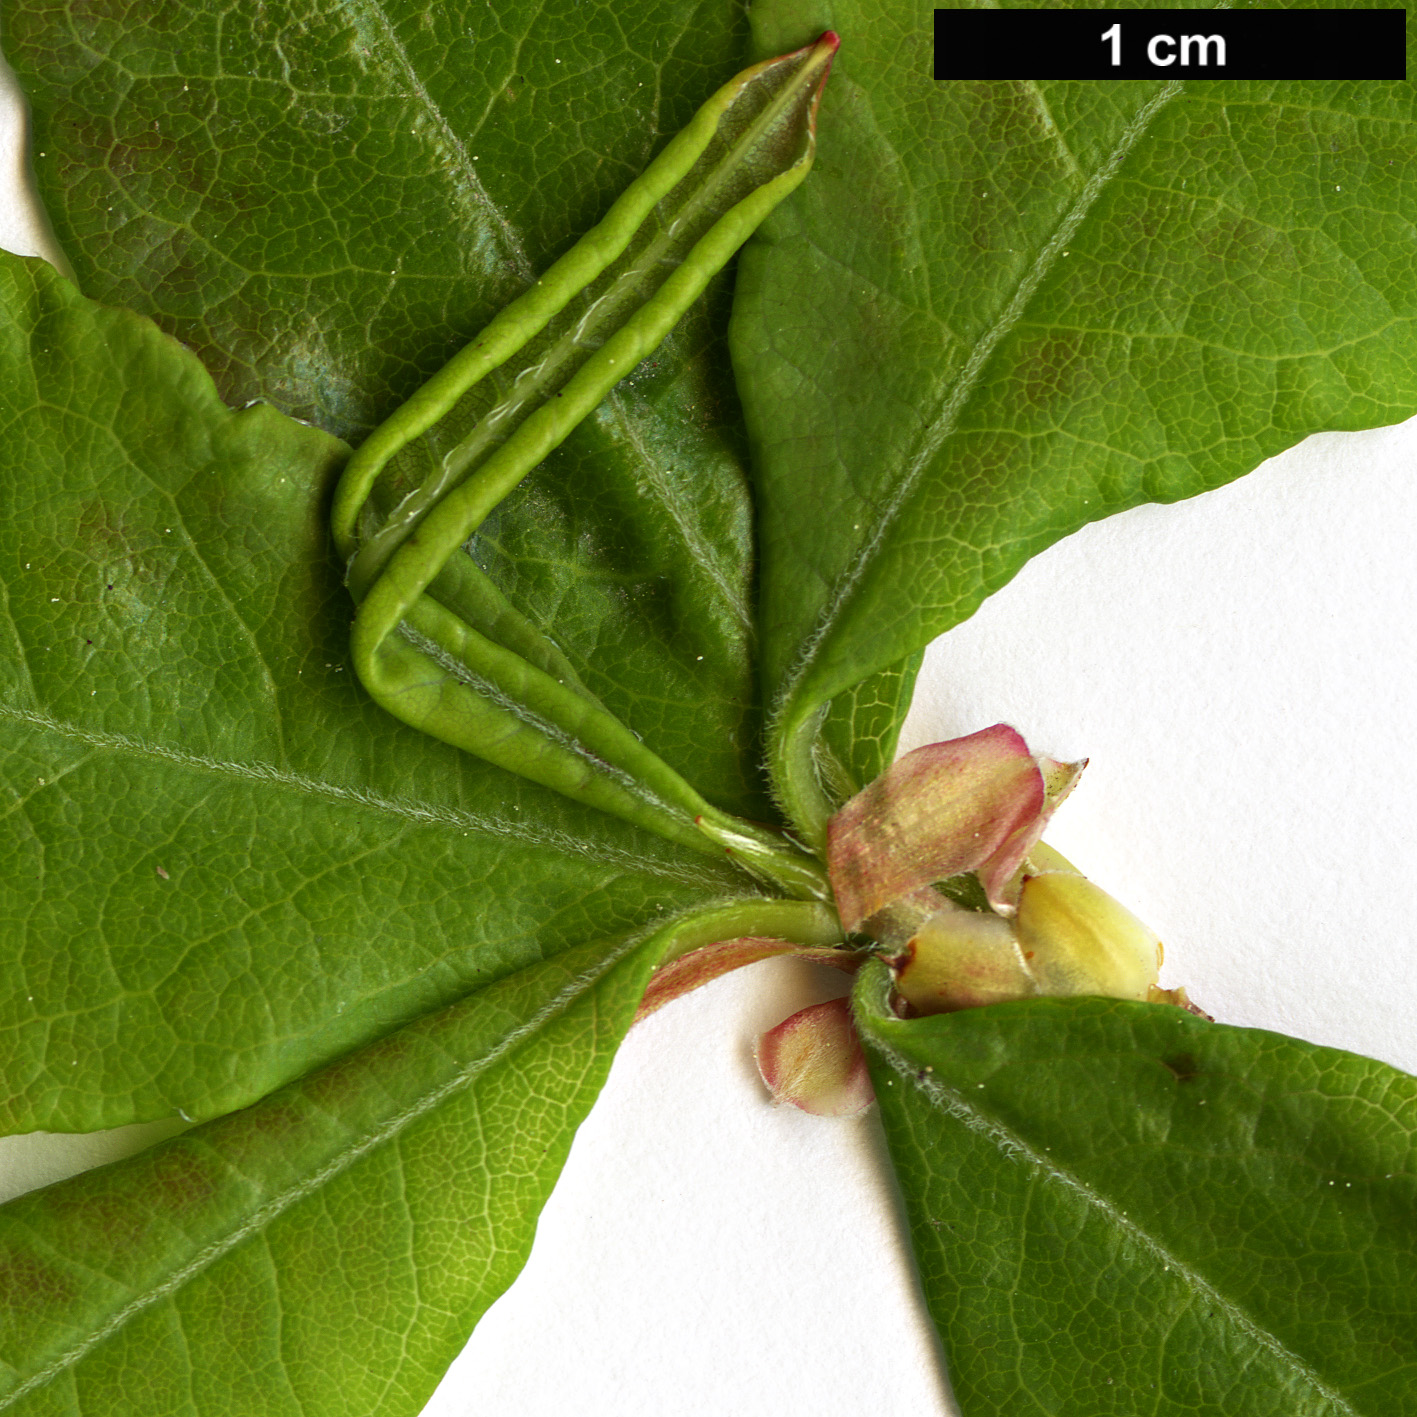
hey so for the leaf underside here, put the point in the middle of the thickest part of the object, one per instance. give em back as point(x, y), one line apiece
point(251, 868)
point(326, 204)
point(356, 1223)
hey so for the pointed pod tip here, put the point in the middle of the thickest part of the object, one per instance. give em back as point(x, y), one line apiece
point(827, 45)
point(823, 53)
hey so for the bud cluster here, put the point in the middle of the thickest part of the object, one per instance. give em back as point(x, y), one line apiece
point(938, 867)
point(940, 861)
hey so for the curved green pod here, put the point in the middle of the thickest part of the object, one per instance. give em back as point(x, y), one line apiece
point(433, 641)
point(701, 198)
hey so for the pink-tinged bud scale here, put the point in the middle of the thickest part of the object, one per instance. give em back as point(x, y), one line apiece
point(940, 861)
point(814, 1061)
point(972, 804)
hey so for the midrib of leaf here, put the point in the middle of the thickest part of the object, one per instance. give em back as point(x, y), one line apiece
point(550, 731)
point(694, 545)
point(416, 813)
point(958, 397)
point(698, 548)
point(471, 184)
point(1015, 1149)
point(341, 1161)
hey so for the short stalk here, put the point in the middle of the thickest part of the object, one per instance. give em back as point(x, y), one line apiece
point(768, 855)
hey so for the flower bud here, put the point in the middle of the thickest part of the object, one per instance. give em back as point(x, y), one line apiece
point(814, 1061)
point(1078, 940)
point(959, 959)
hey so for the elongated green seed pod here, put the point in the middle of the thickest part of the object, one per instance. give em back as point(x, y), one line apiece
point(433, 641)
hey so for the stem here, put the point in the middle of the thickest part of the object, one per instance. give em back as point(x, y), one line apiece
point(798, 921)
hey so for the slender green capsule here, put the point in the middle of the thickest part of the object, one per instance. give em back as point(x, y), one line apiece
point(434, 641)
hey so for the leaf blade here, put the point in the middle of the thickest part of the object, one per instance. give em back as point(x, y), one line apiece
point(332, 1245)
point(1074, 297)
point(423, 484)
point(423, 168)
point(451, 1131)
point(251, 868)
point(1167, 1215)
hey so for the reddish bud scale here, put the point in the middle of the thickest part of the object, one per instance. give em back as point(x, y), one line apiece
point(814, 1061)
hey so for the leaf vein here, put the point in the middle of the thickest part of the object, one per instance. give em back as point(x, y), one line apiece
point(1013, 1146)
point(419, 813)
point(472, 183)
point(964, 386)
point(272, 1210)
point(699, 550)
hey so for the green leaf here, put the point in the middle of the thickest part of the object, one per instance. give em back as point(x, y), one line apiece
point(248, 178)
point(326, 204)
point(1123, 1208)
point(224, 866)
point(372, 1211)
point(430, 639)
point(329, 1248)
point(1071, 297)
point(862, 727)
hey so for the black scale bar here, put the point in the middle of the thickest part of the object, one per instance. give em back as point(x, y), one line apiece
point(1171, 44)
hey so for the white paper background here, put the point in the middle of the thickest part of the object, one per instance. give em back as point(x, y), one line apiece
point(1239, 670)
